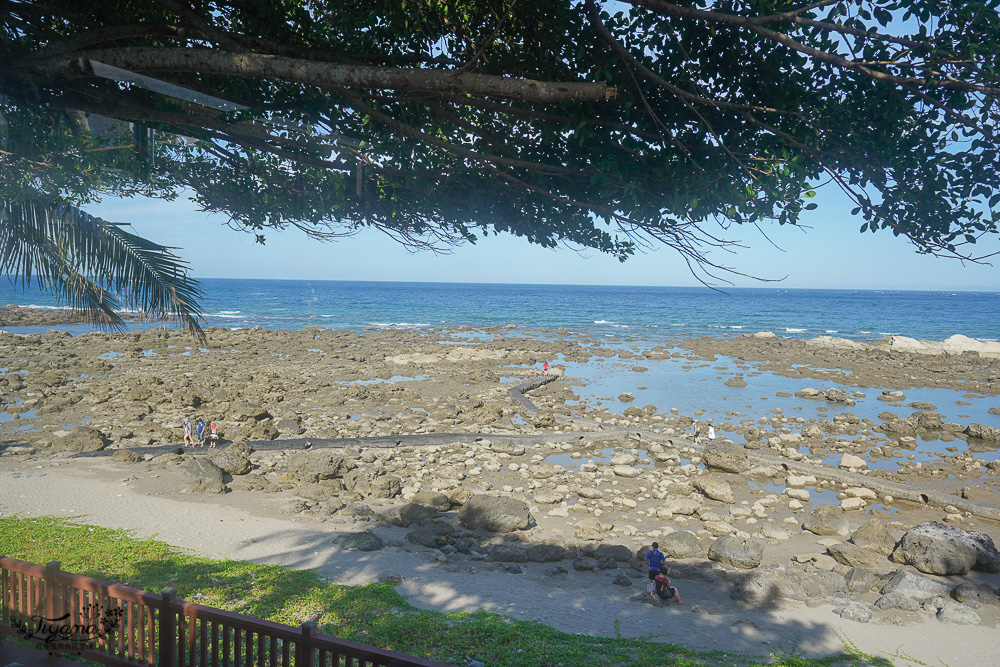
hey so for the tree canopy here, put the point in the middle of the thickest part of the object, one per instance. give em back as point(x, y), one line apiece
point(603, 125)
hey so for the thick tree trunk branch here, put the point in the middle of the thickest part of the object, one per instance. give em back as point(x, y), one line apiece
point(254, 65)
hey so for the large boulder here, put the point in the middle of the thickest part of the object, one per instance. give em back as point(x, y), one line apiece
point(203, 476)
point(234, 459)
point(852, 555)
point(591, 528)
point(937, 548)
point(317, 465)
point(409, 514)
point(716, 489)
point(821, 584)
point(433, 534)
point(506, 553)
point(983, 432)
point(373, 481)
point(741, 552)
point(545, 553)
point(827, 520)
point(726, 457)
point(80, 439)
point(496, 514)
point(682, 544)
point(615, 552)
point(874, 536)
point(432, 499)
point(913, 585)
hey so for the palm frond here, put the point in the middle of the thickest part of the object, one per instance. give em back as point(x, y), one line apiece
point(94, 265)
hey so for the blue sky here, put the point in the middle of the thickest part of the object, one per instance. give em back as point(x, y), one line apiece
point(832, 254)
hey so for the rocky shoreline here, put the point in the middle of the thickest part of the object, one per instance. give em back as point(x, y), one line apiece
point(551, 487)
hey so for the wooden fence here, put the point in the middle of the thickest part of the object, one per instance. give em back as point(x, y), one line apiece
point(122, 626)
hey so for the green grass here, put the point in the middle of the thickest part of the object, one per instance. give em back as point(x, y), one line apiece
point(374, 614)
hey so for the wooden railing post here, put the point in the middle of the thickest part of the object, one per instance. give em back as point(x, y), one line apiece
point(51, 607)
point(167, 629)
point(303, 650)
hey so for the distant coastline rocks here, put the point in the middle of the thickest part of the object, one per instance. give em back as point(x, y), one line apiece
point(954, 345)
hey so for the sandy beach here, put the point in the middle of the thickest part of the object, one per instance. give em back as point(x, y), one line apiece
point(273, 515)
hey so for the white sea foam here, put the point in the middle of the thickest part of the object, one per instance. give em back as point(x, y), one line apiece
point(790, 330)
point(400, 324)
point(832, 331)
point(734, 326)
point(603, 322)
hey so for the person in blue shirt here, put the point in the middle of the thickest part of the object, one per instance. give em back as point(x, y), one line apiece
point(655, 559)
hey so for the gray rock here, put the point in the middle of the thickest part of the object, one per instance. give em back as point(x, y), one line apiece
point(981, 593)
point(897, 601)
point(875, 536)
point(372, 480)
point(505, 553)
point(726, 457)
point(716, 489)
point(615, 552)
point(434, 535)
point(365, 541)
point(234, 459)
point(821, 584)
point(409, 514)
point(855, 611)
point(507, 447)
point(915, 586)
point(960, 614)
point(496, 514)
point(433, 499)
point(854, 556)
point(203, 476)
point(937, 548)
point(545, 553)
point(289, 427)
point(681, 544)
point(316, 465)
point(585, 564)
point(80, 439)
point(125, 456)
point(739, 552)
point(622, 580)
point(983, 432)
point(859, 580)
point(827, 520)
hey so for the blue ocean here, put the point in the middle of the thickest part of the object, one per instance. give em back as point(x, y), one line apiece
point(653, 313)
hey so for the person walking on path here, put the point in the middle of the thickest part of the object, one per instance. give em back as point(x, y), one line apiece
point(711, 433)
point(697, 433)
point(187, 433)
point(545, 368)
point(201, 432)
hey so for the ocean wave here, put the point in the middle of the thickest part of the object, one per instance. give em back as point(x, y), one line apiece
point(225, 316)
point(31, 305)
point(791, 330)
point(736, 326)
point(831, 331)
point(400, 324)
point(603, 322)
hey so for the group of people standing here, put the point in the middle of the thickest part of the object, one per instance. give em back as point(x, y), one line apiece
point(697, 433)
point(204, 430)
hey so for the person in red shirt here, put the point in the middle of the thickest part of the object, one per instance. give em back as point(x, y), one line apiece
point(663, 588)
